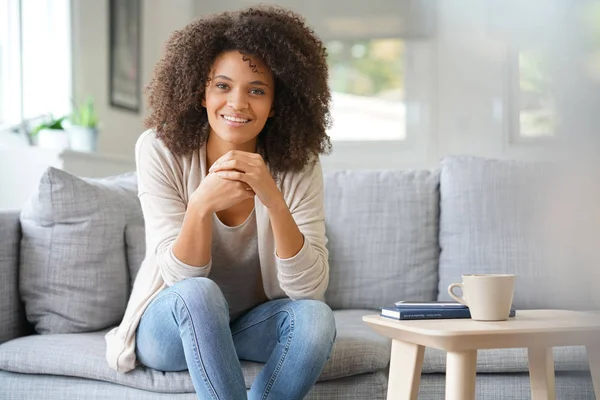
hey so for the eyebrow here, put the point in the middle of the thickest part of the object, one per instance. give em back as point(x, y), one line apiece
point(231, 80)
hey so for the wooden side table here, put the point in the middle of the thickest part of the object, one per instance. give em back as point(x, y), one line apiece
point(537, 330)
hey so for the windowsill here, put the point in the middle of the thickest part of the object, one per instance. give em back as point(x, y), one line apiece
point(86, 155)
point(13, 141)
point(9, 140)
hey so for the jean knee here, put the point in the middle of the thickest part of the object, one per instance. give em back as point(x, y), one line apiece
point(317, 324)
point(200, 293)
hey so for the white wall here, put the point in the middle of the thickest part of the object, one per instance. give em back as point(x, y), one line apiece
point(21, 167)
point(477, 83)
point(461, 77)
point(469, 75)
point(119, 129)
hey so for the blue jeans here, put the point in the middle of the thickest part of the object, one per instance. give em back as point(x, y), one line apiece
point(187, 327)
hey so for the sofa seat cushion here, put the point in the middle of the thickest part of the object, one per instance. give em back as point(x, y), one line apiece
point(357, 350)
point(35, 387)
point(566, 359)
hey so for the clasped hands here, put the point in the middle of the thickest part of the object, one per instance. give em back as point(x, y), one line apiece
point(250, 169)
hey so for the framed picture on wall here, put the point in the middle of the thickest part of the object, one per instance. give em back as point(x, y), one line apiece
point(125, 54)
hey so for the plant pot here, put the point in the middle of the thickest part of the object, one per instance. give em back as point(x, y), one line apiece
point(56, 139)
point(82, 138)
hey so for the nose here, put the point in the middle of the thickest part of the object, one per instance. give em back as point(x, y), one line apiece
point(237, 100)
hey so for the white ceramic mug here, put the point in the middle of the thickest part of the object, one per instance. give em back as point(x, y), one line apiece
point(488, 296)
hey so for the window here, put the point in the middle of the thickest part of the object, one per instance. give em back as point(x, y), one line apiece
point(46, 57)
point(35, 59)
point(537, 111)
point(371, 47)
point(381, 62)
point(9, 62)
point(3, 40)
point(367, 84)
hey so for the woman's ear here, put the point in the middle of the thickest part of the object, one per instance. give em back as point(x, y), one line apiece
point(203, 102)
point(272, 113)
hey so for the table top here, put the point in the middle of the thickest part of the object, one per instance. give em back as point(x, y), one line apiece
point(527, 328)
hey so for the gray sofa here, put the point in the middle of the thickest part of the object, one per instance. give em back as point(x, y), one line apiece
point(69, 257)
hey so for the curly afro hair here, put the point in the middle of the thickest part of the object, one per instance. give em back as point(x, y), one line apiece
point(282, 40)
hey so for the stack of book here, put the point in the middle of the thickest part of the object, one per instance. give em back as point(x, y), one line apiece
point(429, 310)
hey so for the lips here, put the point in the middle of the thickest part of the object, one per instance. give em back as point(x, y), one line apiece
point(235, 122)
point(236, 118)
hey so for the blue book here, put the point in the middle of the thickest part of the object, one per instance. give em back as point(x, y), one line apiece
point(434, 313)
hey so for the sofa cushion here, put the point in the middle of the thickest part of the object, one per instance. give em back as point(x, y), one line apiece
point(75, 251)
point(35, 387)
point(11, 310)
point(382, 228)
point(537, 220)
point(357, 350)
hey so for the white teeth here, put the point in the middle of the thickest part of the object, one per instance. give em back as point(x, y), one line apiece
point(232, 119)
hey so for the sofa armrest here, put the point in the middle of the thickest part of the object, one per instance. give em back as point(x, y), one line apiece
point(12, 318)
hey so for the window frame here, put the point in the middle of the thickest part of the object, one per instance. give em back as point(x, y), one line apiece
point(513, 112)
point(420, 86)
point(417, 20)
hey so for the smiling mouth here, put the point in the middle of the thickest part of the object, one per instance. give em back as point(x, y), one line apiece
point(235, 120)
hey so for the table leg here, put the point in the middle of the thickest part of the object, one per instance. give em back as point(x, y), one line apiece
point(405, 370)
point(460, 375)
point(541, 373)
point(593, 355)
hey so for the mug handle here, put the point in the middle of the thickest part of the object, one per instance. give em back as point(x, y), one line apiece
point(455, 297)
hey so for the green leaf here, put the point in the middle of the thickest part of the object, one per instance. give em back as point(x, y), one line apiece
point(85, 115)
point(52, 124)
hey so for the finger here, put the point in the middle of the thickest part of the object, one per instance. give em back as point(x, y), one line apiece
point(246, 188)
point(244, 185)
point(238, 165)
point(232, 175)
point(239, 155)
point(231, 155)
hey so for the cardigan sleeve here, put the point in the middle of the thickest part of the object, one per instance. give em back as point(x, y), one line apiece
point(163, 208)
point(306, 274)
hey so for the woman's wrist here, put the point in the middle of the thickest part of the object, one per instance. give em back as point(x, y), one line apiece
point(278, 205)
point(288, 238)
point(199, 207)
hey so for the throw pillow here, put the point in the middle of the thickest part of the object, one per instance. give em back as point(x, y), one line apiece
point(536, 220)
point(81, 247)
point(382, 228)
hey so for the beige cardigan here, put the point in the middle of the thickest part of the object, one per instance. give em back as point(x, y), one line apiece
point(165, 184)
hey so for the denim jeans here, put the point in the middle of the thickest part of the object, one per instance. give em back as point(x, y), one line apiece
point(187, 327)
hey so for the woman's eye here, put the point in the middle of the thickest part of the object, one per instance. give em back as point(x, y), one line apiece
point(221, 85)
point(257, 91)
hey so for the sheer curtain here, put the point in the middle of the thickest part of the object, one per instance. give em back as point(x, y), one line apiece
point(46, 57)
point(10, 64)
point(35, 59)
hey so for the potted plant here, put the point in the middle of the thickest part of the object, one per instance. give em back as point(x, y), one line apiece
point(51, 134)
point(83, 130)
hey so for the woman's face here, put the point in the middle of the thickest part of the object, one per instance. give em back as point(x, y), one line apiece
point(238, 98)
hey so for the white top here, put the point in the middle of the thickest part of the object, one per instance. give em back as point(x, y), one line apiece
point(236, 265)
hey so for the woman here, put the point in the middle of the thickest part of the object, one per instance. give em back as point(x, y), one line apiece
point(232, 194)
